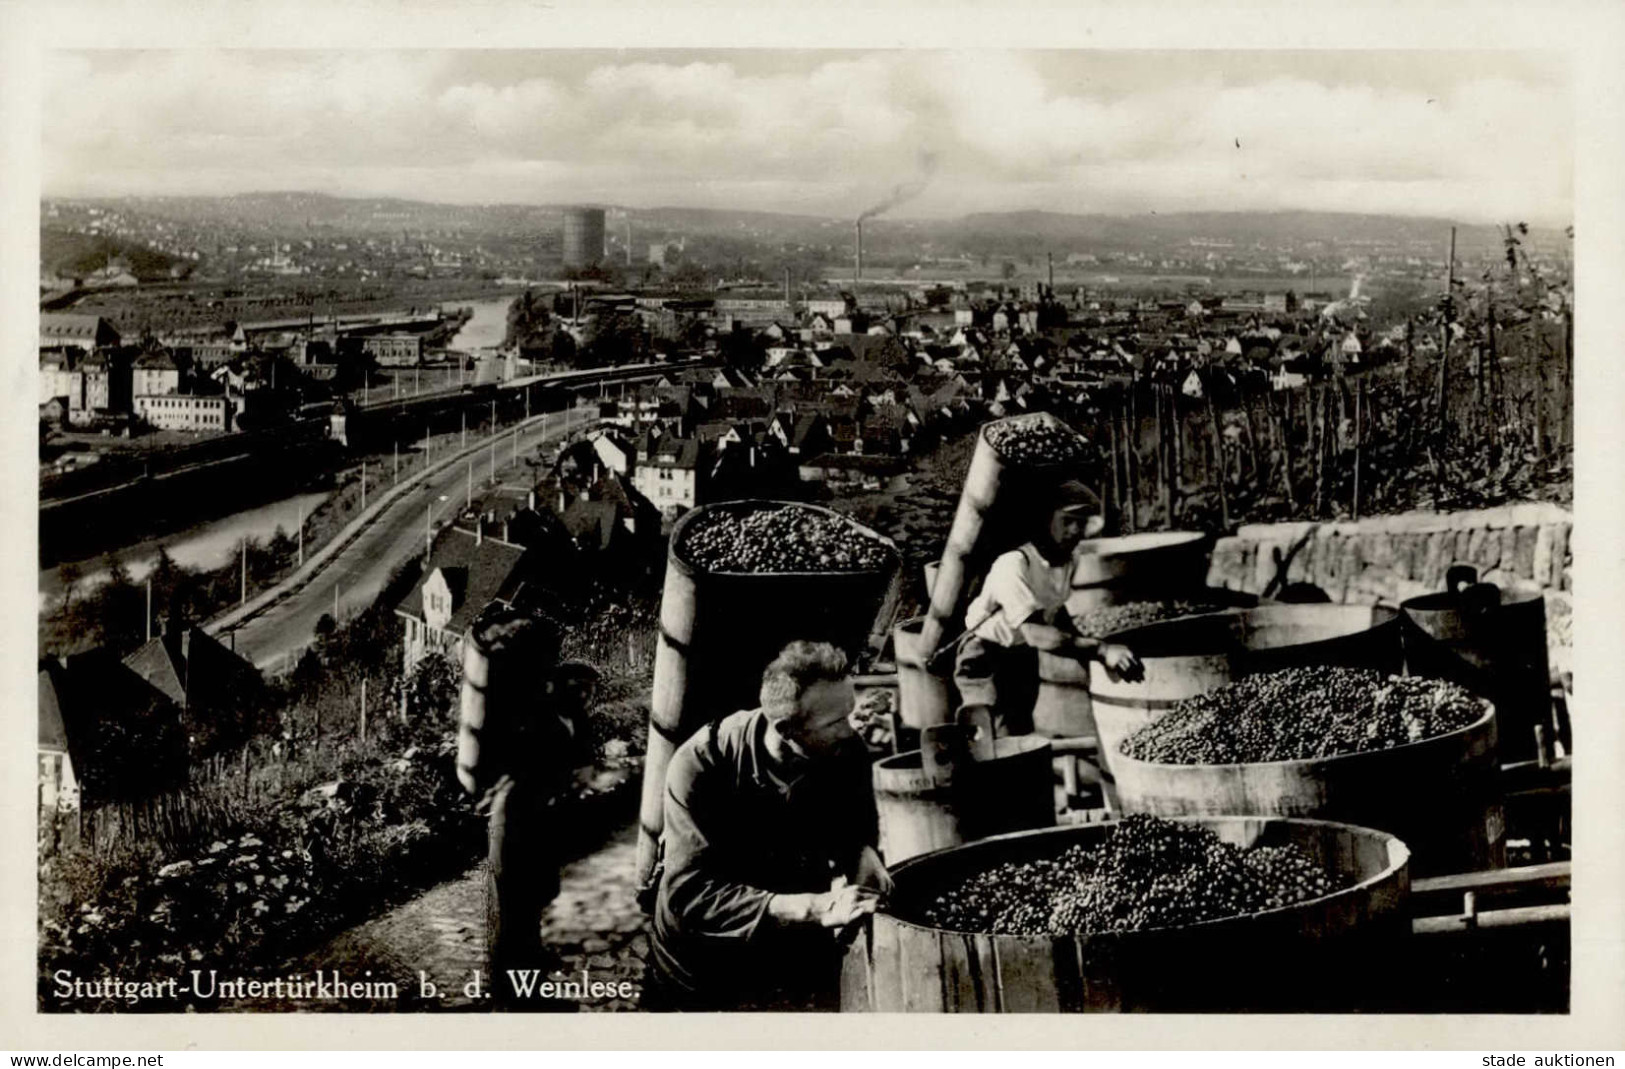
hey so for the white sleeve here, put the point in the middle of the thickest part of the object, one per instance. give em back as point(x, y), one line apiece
point(1007, 587)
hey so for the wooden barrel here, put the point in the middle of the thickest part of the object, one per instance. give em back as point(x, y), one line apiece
point(1324, 955)
point(1193, 654)
point(998, 507)
point(1491, 641)
point(718, 630)
point(1011, 792)
point(1437, 795)
point(924, 699)
point(1155, 566)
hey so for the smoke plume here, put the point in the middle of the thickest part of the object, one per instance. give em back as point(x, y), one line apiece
point(907, 191)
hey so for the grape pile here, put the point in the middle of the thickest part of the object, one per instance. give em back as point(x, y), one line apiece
point(1036, 439)
point(1302, 713)
point(780, 538)
point(1147, 873)
point(1110, 619)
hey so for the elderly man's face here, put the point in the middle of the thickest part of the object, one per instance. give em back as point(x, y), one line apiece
point(822, 725)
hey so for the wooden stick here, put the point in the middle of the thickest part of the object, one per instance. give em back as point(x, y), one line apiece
point(1359, 399)
point(1117, 483)
point(1218, 453)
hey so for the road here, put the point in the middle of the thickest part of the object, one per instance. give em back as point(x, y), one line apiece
point(358, 572)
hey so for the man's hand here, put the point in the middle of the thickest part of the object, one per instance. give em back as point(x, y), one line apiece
point(843, 905)
point(1121, 662)
point(835, 908)
point(872, 872)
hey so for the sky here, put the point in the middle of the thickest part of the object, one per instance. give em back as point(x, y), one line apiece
point(1475, 136)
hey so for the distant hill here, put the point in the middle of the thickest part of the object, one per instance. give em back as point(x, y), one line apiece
point(66, 253)
point(288, 212)
point(1242, 228)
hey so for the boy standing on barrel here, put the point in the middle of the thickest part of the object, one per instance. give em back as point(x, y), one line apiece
point(520, 741)
point(1022, 609)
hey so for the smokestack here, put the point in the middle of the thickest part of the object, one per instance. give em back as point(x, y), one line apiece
point(857, 267)
point(1049, 257)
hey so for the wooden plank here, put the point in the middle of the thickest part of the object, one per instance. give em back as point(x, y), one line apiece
point(962, 988)
point(885, 968)
point(1500, 918)
point(1527, 884)
point(920, 956)
point(1027, 975)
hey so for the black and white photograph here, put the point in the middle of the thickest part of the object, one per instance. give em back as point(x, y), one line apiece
point(858, 530)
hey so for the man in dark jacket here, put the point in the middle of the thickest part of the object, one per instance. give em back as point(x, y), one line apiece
point(769, 847)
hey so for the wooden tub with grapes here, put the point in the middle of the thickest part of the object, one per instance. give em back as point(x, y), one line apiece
point(1195, 914)
point(1411, 756)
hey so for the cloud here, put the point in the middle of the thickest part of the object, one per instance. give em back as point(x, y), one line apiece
point(830, 136)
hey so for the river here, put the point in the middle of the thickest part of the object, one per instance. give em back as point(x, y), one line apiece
point(211, 544)
point(208, 545)
point(488, 326)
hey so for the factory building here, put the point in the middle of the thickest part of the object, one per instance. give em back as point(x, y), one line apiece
point(583, 236)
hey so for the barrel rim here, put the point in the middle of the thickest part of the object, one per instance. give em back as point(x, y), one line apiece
point(1443, 601)
point(1389, 614)
point(1124, 545)
point(1399, 858)
point(1486, 719)
point(1024, 746)
point(762, 503)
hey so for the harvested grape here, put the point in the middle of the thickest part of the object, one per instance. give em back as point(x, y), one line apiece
point(1036, 439)
point(781, 538)
point(1302, 713)
point(1147, 873)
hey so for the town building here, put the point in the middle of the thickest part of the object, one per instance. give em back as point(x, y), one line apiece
point(394, 350)
point(76, 330)
point(154, 374)
point(466, 571)
point(670, 477)
point(186, 412)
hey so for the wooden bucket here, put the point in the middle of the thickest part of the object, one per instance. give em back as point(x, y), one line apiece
point(1011, 792)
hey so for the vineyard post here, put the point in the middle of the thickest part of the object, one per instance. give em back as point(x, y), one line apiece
point(1218, 452)
point(1133, 458)
point(1117, 483)
point(1359, 398)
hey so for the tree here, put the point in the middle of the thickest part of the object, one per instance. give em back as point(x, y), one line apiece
point(69, 575)
point(617, 338)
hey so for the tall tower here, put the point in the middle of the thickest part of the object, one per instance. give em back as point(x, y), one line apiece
point(583, 236)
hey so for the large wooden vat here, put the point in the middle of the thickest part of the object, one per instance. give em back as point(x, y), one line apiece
point(1438, 795)
point(718, 630)
point(1011, 792)
point(1154, 566)
point(1194, 654)
point(1491, 641)
point(1323, 955)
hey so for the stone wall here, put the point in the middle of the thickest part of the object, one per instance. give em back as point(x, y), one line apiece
point(1388, 559)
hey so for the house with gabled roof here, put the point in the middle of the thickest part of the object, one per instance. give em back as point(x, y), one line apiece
point(465, 572)
point(216, 691)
